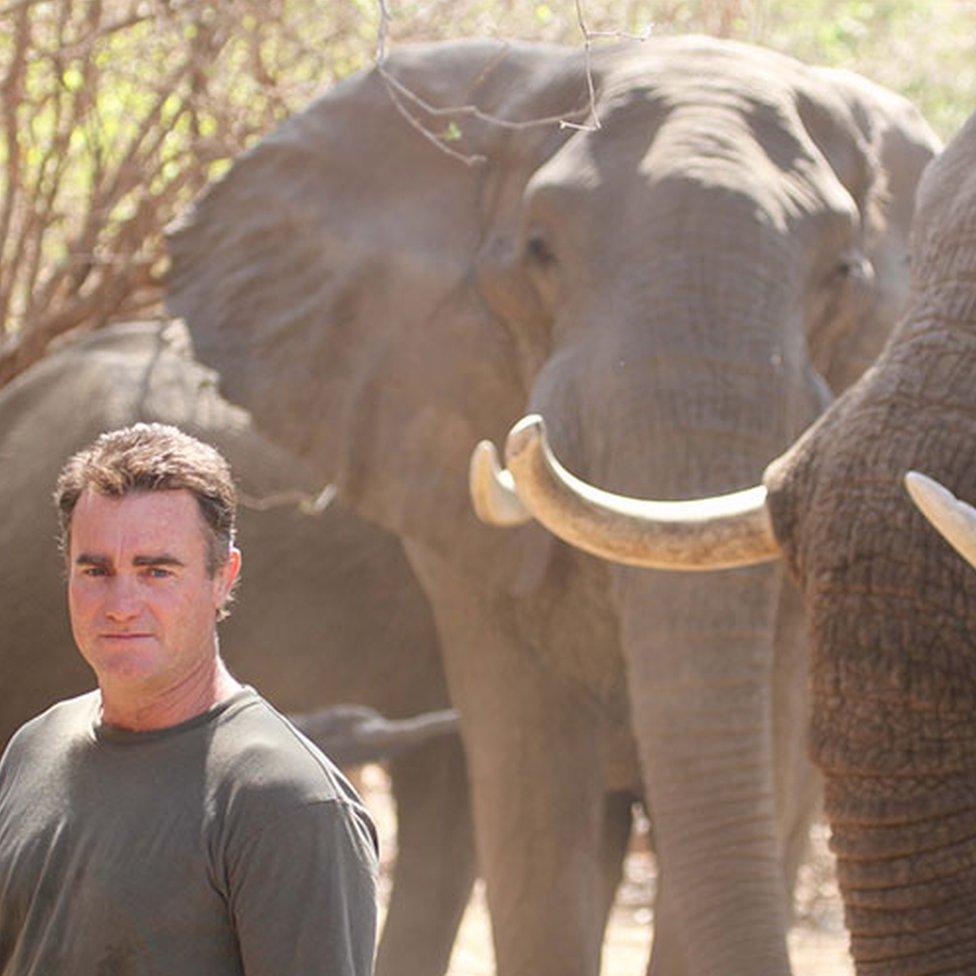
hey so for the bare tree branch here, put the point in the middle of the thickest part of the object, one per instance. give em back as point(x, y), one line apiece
point(11, 91)
point(400, 94)
point(18, 7)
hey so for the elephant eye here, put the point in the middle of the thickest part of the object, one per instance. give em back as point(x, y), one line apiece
point(856, 266)
point(538, 250)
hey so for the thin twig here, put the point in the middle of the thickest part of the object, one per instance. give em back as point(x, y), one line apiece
point(625, 35)
point(472, 111)
point(400, 93)
point(68, 110)
point(587, 46)
point(588, 37)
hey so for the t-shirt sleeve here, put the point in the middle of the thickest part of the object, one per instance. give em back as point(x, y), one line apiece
point(303, 893)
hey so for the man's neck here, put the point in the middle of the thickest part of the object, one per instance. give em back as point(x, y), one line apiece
point(191, 695)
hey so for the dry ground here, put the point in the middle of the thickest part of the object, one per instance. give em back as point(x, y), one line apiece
point(818, 942)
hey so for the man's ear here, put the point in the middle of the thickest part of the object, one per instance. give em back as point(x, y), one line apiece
point(227, 576)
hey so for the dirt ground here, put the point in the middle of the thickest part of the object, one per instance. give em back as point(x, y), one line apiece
point(818, 941)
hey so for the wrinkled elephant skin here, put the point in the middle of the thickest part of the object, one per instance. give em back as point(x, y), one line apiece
point(893, 608)
point(328, 611)
point(676, 292)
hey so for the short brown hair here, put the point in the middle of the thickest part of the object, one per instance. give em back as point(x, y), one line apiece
point(154, 457)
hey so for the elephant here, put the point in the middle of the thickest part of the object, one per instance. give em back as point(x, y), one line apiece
point(892, 609)
point(674, 286)
point(329, 611)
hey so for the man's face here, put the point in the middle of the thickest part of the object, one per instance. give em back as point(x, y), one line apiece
point(142, 605)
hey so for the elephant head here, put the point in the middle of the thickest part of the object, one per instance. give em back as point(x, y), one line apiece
point(891, 608)
point(676, 290)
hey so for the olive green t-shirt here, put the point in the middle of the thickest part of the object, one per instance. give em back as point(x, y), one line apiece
point(225, 845)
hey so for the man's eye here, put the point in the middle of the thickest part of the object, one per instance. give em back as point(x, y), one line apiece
point(155, 572)
point(93, 571)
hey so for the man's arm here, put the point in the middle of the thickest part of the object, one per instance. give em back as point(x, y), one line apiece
point(303, 893)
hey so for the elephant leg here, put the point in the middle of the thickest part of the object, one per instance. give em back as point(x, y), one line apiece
point(667, 957)
point(435, 866)
point(534, 756)
point(617, 822)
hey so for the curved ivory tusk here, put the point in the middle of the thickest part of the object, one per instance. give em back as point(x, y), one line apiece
point(954, 519)
point(492, 489)
point(712, 533)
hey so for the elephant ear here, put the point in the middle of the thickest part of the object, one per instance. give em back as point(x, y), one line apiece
point(328, 277)
point(878, 145)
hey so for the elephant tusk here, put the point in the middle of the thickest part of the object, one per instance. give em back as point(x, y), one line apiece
point(492, 489)
point(954, 519)
point(712, 533)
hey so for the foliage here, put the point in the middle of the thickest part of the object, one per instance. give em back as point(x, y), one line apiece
point(115, 113)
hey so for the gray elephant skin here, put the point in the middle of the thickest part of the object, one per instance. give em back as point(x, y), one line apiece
point(328, 610)
point(669, 290)
point(893, 609)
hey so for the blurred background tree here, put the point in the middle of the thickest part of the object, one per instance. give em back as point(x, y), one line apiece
point(115, 113)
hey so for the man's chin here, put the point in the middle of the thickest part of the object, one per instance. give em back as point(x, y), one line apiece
point(134, 661)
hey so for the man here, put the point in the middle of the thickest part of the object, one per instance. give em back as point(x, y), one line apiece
point(171, 822)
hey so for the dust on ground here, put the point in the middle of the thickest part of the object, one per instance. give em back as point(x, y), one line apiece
point(818, 940)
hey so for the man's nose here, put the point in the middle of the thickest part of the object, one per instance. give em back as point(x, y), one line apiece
point(122, 599)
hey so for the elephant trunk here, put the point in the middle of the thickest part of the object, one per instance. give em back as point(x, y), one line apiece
point(700, 685)
point(906, 865)
point(352, 735)
point(893, 731)
point(898, 751)
point(700, 659)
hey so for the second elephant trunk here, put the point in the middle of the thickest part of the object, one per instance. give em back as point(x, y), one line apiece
point(905, 867)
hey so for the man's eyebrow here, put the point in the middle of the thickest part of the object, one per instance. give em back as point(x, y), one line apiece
point(163, 559)
point(90, 559)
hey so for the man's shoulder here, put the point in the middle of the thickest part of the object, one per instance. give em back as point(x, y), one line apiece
point(45, 741)
point(265, 775)
point(262, 758)
point(62, 718)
